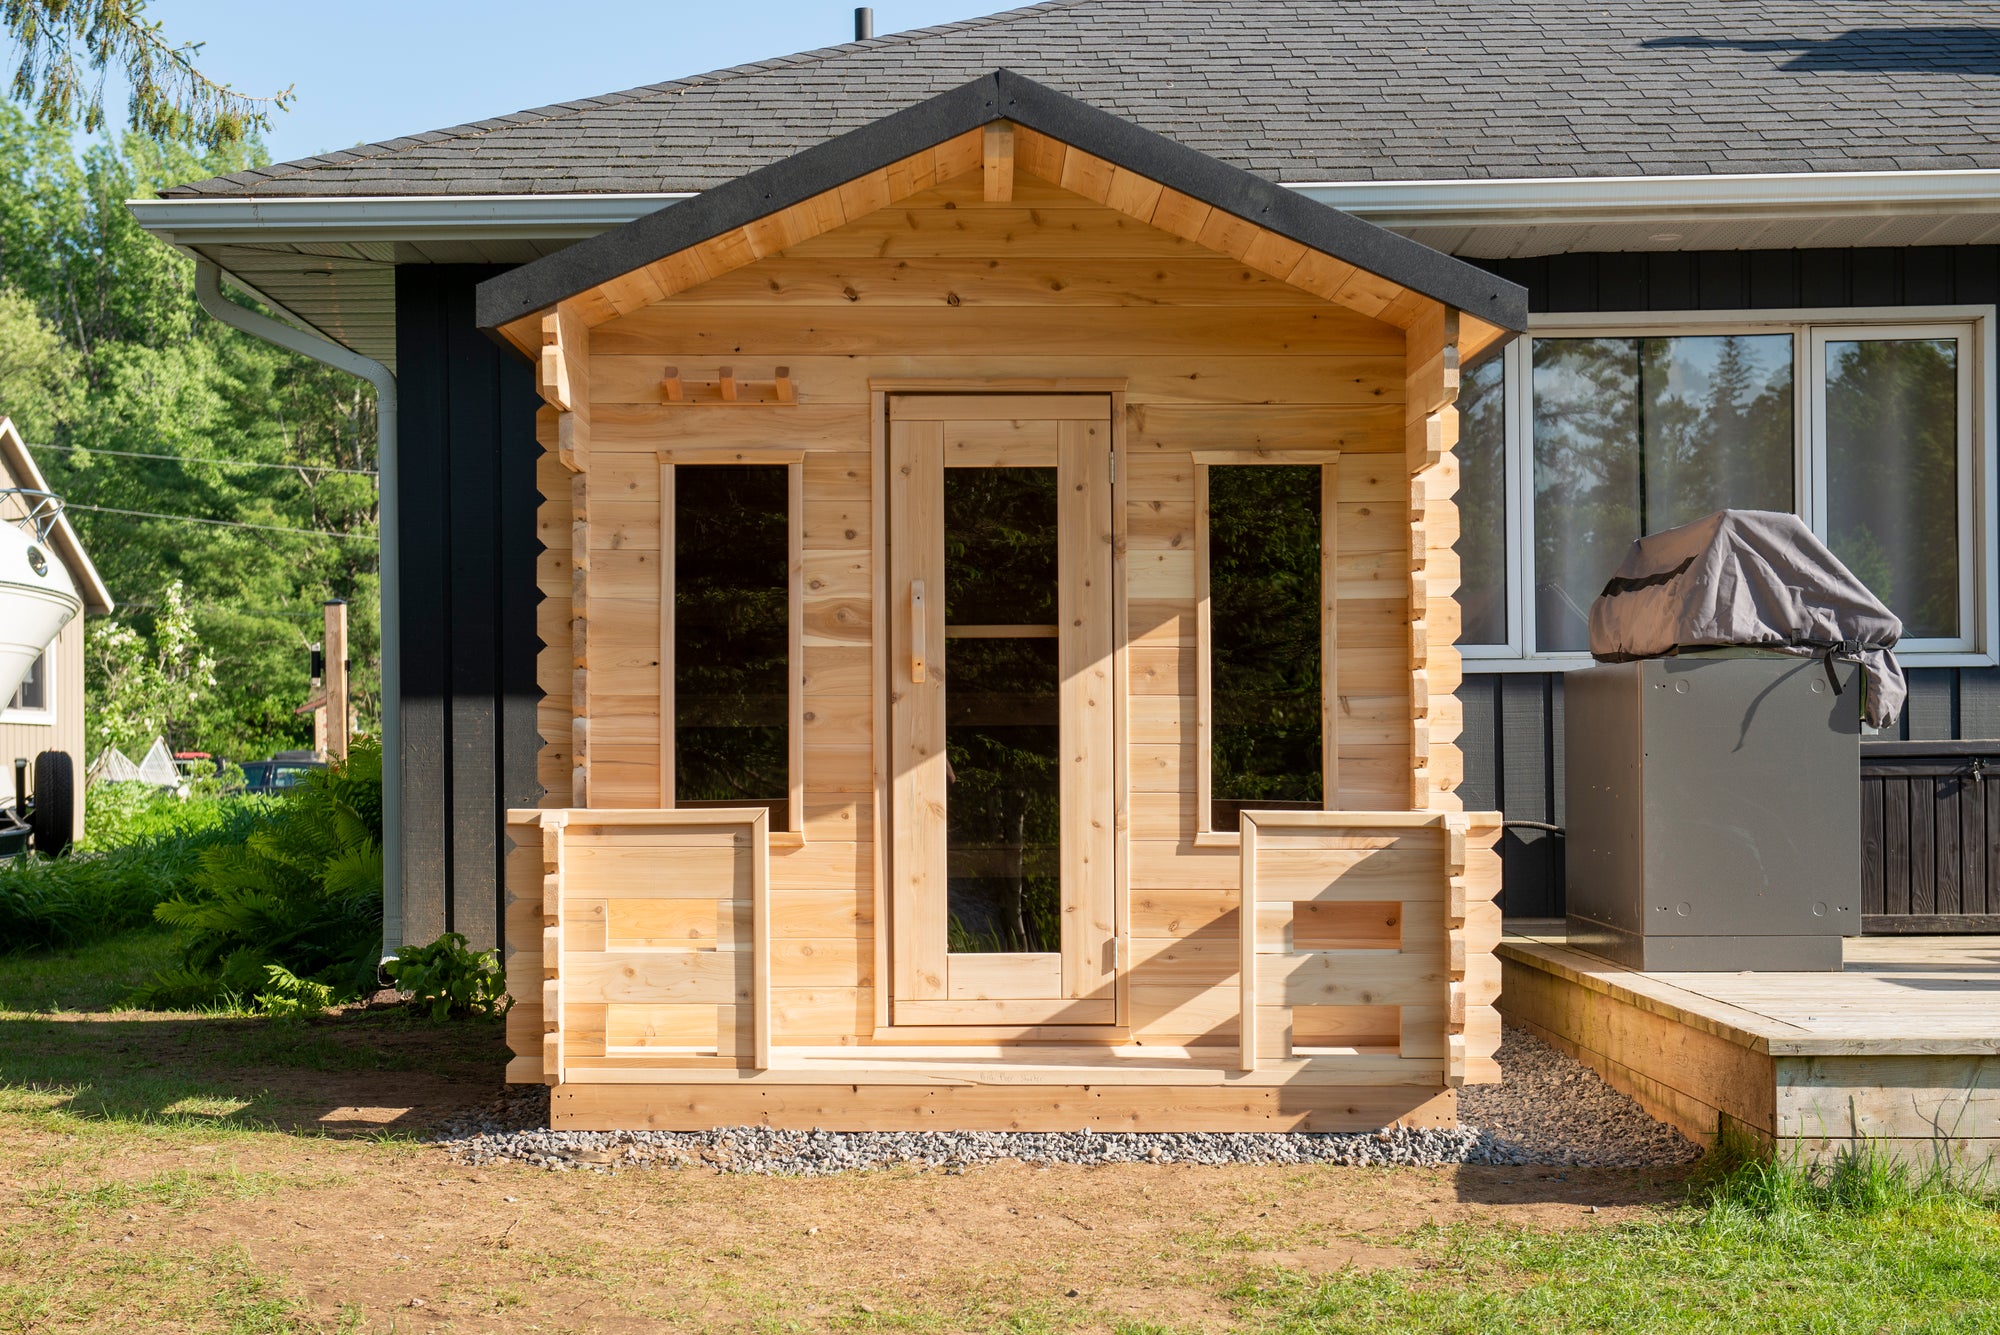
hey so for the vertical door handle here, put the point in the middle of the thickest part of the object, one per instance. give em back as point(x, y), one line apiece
point(917, 631)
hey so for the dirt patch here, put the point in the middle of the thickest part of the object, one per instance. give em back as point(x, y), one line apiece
point(396, 1234)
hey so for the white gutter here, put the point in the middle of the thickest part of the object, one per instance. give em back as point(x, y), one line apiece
point(1524, 201)
point(392, 217)
point(208, 289)
point(1507, 202)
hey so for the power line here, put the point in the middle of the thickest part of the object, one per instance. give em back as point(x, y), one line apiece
point(230, 463)
point(222, 523)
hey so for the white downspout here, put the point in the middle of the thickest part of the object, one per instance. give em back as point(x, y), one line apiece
point(208, 289)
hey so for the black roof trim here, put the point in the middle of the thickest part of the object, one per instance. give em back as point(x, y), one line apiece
point(1001, 95)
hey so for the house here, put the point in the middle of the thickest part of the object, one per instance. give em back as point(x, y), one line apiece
point(47, 712)
point(1755, 252)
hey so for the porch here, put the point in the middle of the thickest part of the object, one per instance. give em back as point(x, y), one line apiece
point(1899, 1050)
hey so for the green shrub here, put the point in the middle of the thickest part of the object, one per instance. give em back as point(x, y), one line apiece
point(119, 815)
point(451, 978)
point(303, 893)
point(144, 848)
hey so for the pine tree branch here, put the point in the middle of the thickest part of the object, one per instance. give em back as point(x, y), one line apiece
point(67, 46)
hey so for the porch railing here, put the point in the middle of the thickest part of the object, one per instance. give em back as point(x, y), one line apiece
point(1368, 937)
point(656, 938)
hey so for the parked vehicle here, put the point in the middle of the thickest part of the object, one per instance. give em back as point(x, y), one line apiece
point(287, 769)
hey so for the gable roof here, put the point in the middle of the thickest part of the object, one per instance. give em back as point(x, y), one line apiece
point(16, 462)
point(1350, 90)
point(1002, 96)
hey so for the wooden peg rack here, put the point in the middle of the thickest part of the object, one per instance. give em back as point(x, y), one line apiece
point(726, 391)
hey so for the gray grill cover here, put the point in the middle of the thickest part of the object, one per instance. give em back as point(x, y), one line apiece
point(1751, 578)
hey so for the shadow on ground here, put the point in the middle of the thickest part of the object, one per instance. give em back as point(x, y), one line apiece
point(365, 1072)
point(1581, 1188)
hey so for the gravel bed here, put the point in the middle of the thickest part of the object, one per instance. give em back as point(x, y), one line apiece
point(1561, 1112)
point(1550, 1110)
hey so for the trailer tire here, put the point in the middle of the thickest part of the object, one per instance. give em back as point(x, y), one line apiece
point(52, 815)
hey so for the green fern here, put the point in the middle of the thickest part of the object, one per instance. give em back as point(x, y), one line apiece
point(289, 997)
point(298, 899)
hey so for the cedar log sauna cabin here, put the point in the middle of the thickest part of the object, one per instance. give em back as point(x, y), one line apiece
point(998, 607)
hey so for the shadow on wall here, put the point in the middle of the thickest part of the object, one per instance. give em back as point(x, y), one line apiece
point(1931, 50)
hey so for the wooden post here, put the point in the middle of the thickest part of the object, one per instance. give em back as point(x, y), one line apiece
point(999, 162)
point(1431, 370)
point(337, 720)
point(564, 383)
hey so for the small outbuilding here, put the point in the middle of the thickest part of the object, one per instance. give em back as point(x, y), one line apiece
point(980, 552)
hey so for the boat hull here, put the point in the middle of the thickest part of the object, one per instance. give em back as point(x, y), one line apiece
point(37, 599)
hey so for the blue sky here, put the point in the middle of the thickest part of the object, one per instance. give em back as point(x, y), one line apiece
point(371, 69)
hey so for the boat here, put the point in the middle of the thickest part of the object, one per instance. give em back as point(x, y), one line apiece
point(37, 599)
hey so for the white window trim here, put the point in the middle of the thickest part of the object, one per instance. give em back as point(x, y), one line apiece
point(1979, 487)
point(38, 718)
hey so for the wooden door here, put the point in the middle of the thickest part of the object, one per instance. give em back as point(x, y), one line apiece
point(1002, 808)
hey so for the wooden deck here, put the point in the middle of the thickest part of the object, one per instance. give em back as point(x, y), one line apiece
point(1901, 1048)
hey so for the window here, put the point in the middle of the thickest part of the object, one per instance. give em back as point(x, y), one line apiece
point(1894, 501)
point(1633, 435)
point(1265, 631)
point(1482, 504)
point(731, 731)
point(33, 695)
point(1587, 435)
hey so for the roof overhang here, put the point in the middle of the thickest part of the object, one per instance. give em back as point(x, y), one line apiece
point(69, 548)
point(810, 180)
point(1806, 200)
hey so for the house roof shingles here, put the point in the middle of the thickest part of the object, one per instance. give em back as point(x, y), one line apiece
point(1294, 91)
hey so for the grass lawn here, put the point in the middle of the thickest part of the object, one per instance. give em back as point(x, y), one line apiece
point(165, 1173)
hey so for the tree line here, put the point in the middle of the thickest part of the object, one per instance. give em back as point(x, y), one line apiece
point(106, 357)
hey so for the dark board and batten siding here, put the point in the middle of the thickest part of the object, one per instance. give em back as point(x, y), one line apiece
point(469, 537)
point(1513, 721)
point(468, 453)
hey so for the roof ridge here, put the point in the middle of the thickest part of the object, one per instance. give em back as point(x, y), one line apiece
point(644, 92)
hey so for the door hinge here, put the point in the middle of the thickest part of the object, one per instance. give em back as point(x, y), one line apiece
point(1114, 468)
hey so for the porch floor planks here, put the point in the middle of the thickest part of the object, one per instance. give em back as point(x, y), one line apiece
point(1934, 995)
point(1900, 1049)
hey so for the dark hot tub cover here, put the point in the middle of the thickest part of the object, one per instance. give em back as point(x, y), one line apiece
point(1750, 578)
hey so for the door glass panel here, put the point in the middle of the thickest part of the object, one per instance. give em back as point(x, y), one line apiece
point(1002, 724)
point(1000, 546)
point(1264, 628)
point(1002, 825)
point(732, 639)
point(1892, 474)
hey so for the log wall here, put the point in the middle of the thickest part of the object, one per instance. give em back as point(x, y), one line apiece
point(1214, 356)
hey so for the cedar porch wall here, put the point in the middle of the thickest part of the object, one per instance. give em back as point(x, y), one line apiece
point(1216, 357)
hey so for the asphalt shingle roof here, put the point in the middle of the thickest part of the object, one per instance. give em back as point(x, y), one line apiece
point(1295, 91)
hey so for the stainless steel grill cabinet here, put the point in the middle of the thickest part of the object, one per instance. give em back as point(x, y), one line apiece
point(1714, 803)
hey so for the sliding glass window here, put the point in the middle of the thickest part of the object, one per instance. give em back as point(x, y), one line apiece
point(1577, 443)
point(1895, 501)
point(1633, 435)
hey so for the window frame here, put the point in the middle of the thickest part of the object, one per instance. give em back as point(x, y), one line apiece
point(793, 462)
point(1970, 555)
point(1811, 329)
point(45, 716)
point(1328, 463)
